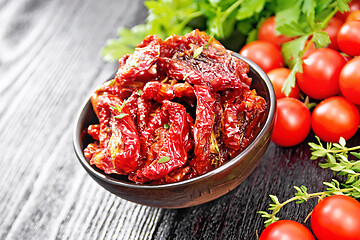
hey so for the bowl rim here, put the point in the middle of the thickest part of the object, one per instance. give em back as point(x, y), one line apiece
point(229, 164)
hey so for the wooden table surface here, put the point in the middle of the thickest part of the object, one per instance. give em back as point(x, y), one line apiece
point(49, 64)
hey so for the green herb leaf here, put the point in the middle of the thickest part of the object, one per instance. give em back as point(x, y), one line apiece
point(342, 5)
point(119, 109)
point(355, 154)
point(249, 8)
point(314, 146)
point(121, 115)
point(321, 39)
point(290, 80)
point(288, 13)
point(126, 43)
point(292, 50)
point(198, 51)
point(112, 82)
point(342, 141)
point(330, 158)
point(164, 159)
point(274, 199)
point(138, 92)
point(207, 44)
point(291, 29)
point(308, 6)
point(319, 153)
point(186, 76)
point(114, 107)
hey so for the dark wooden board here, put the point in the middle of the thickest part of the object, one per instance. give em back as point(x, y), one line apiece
point(49, 64)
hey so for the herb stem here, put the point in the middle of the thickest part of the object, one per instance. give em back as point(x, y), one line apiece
point(309, 196)
point(189, 18)
point(307, 46)
point(325, 22)
point(343, 150)
point(231, 9)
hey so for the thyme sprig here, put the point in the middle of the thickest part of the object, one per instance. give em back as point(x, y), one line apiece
point(119, 109)
point(336, 157)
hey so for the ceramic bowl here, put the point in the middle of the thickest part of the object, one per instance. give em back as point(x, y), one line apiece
point(194, 191)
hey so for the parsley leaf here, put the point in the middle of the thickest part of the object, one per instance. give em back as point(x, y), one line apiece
point(290, 80)
point(321, 39)
point(233, 22)
point(292, 50)
point(126, 43)
point(342, 5)
point(249, 8)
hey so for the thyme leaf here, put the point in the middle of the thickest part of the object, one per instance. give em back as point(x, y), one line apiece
point(164, 159)
point(121, 115)
point(198, 51)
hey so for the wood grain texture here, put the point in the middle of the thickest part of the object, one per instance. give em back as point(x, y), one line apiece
point(49, 64)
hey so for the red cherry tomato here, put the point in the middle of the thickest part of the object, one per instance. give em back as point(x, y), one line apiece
point(353, 5)
point(336, 217)
point(349, 80)
point(267, 32)
point(264, 54)
point(354, 16)
point(292, 122)
point(349, 38)
point(332, 30)
point(333, 118)
point(278, 77)
point(286, 230)
point(320, 76)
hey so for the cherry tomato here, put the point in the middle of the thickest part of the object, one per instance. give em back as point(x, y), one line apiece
point(349, 38)
point(264, 54)
point(292, 122)
point(278, 77)
point(335, 117)
point(320, 76)
point(336, 217)
point(286, 230)
point(349, 80)
point(332, 30)
point(267, 32)
point(353, 5)
point(354, 16)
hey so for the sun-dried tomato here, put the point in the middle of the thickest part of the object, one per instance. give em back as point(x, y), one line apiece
point(119, 141)
point(172, 148)
point(141, 64)
point(241, 121)
point(176, 109)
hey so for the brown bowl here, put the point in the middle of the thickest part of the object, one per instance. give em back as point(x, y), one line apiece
point(193, 191)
